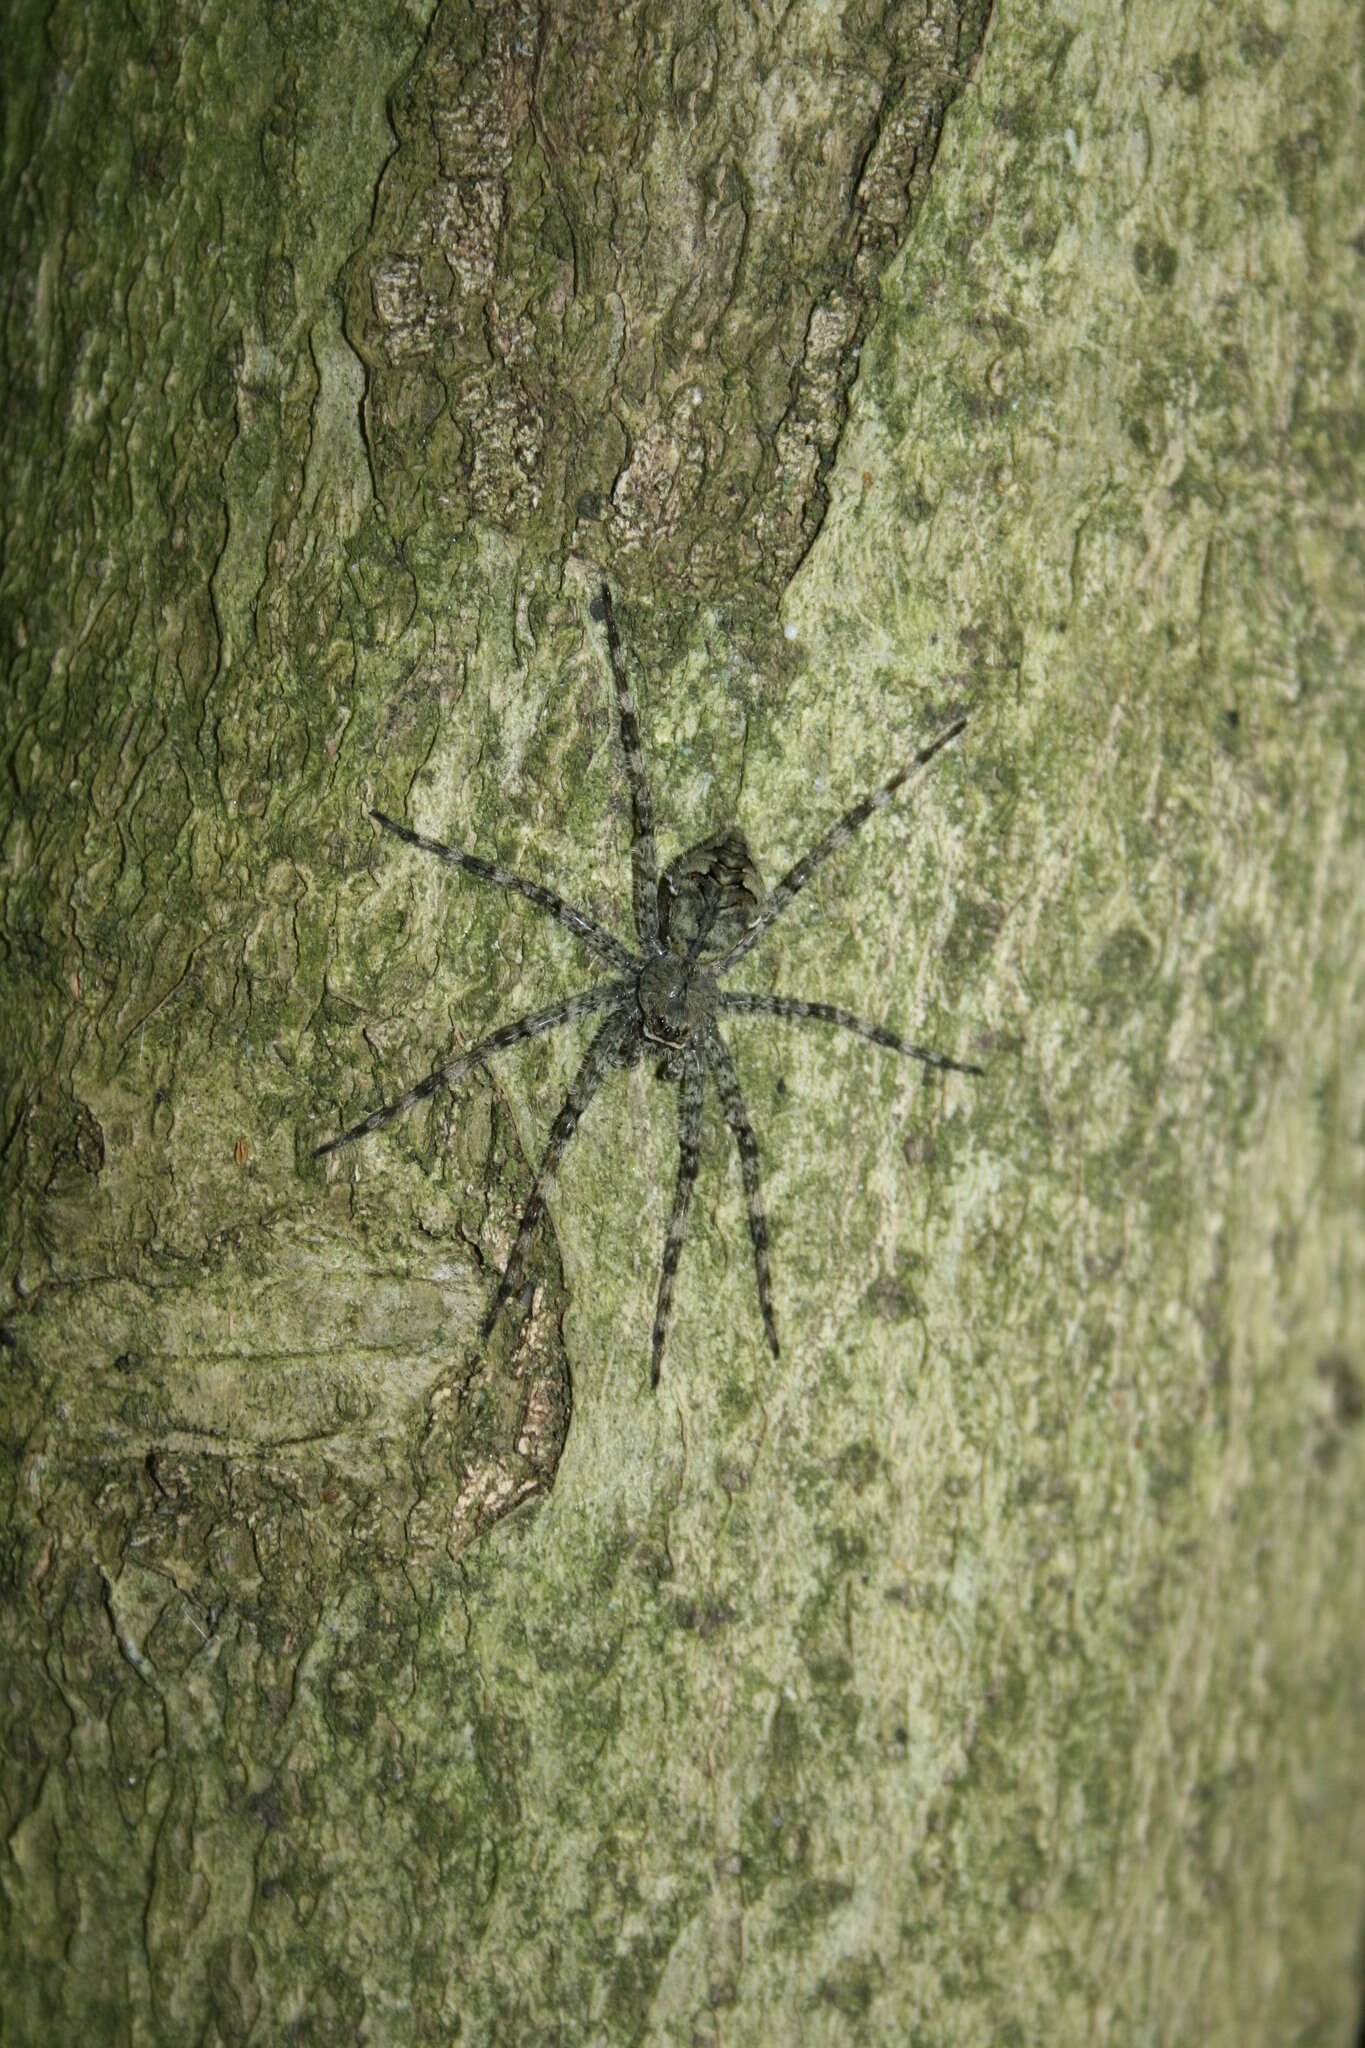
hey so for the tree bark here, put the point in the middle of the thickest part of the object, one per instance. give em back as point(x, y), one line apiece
point(989, 1668)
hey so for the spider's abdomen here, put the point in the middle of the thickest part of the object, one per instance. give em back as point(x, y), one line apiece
point(709, 897)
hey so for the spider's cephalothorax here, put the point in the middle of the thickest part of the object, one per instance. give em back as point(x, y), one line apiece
point(679, 1002)
point(695, 922)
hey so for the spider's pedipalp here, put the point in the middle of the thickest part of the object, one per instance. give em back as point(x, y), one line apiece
point(735, 1004)
point(605, 996)
point(838, 835)
point(737, 1117)
point(643, 853)
point(603, 944)
point(689, 1153)
point(614, 1046)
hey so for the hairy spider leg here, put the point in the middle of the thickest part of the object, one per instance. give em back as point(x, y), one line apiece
point(615, 1045)
point(735, 1004)
point(689, 1153)
point(737, 1116)
point(603, 997)
point(838, 835)
point(603, 944)
point(643, 853)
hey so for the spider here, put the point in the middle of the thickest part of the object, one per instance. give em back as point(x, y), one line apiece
point(696, 922)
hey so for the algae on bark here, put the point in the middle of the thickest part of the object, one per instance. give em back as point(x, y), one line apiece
point(989, 1671)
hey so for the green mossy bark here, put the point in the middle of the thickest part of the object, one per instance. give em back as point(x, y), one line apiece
point(990, 1670)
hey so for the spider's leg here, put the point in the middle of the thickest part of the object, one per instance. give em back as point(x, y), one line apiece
point(737, 1005)
point(603, 997)
point(737, 1116)
point(838, 835)
point(689, 1150)
point(609, 1050)
point(644, 857)
point(603, 944)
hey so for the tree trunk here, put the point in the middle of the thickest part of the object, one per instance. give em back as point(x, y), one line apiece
point(988, 1668)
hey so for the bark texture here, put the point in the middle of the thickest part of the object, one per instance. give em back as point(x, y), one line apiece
point(990, 1671)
